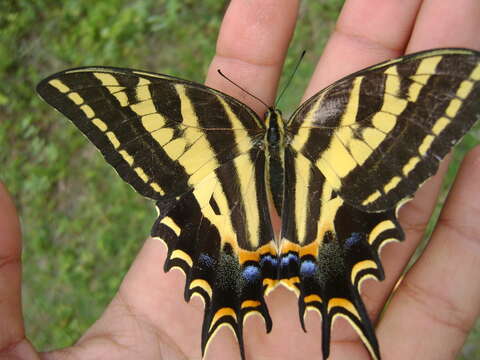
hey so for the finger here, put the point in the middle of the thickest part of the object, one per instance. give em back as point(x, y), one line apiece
point(251, 48)
point(366, 33)
point(11, 323)
point(459, 27)
point(414, 218)
point(440, 296)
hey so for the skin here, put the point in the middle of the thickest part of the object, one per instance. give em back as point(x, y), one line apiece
point(440, 295)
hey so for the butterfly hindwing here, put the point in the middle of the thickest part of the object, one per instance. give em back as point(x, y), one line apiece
point(378, 134)
point(193, 150)
point(328, 248)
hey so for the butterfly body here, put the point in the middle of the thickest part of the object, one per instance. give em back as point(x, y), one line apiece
point(275, 143)
point(336, 172)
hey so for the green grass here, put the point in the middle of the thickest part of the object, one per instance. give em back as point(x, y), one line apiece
point(82, 225)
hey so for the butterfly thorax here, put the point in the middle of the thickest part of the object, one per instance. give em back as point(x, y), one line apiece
point(274, 142)
point(274, 135)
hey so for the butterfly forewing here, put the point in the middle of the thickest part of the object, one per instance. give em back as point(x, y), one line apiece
point(379, 134)
point(153, 128)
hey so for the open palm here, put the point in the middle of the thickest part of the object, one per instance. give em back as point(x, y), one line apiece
point(426, 319)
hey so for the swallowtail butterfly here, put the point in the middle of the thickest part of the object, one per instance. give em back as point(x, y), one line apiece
point(336, 172)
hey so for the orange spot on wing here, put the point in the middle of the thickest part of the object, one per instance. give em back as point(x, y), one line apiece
point(312, 298)
point(250, 303)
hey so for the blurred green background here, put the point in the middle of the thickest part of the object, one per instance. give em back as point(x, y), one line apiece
point(82, 225)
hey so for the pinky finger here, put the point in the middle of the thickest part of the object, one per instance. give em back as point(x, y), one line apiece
point(438, 301)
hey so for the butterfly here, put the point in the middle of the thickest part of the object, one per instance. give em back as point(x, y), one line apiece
point(336, 172)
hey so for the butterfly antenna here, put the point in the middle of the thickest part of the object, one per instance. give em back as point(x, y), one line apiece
point(241, 88)
point(291, 77)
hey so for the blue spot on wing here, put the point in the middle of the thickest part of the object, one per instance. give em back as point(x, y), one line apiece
point(308, 268)
point(251, 273)
point(206, 261)
point(353, 239)
point(289, 258)
point(268, 259)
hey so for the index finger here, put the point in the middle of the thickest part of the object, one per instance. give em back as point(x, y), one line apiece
point(249, 52)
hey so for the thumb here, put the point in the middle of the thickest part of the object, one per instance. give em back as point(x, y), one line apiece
point(12, 332)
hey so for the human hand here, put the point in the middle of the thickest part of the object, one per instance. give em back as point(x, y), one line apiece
point(148, 318)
